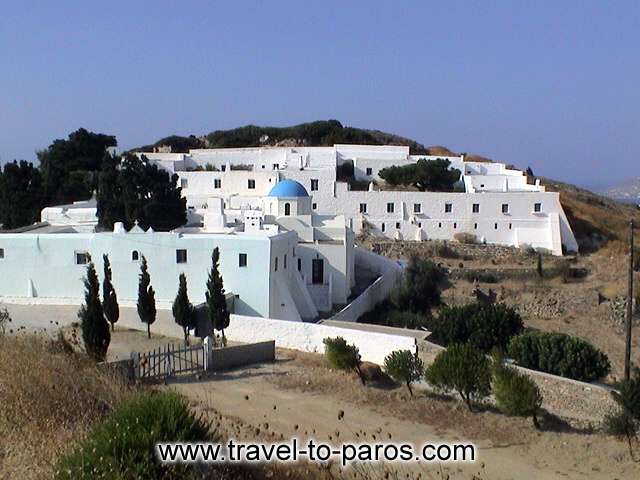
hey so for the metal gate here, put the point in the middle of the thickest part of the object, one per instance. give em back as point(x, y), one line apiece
point(168, 360)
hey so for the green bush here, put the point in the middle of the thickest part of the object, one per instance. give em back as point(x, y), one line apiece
point(461, 368)
point(385, 313)
point(420, 286)
point(404, 366)
point(516, 394)
point(483, 326)
point(472, 276)
point(123, 445)
point(343, 356)
point(559, 354)
point(625, 424)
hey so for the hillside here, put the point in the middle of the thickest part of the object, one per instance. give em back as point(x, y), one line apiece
point(628, 191)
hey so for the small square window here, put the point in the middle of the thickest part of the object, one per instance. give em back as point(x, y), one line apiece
point(276, 166)
point(314, 184)
point(369, 171)
point(390, 207)
point(82, 258)
point(397, 225)
point(314, 206)
point(251, 184)
point(363, 208)
point(181, 256)
point(135, 256)
point(505, 208)
point(217, 183)
point(475, 208)
point(417, 208)
point(223, 168)
point(447, 208)
point(242, 259)
point(537, 207)
point(1, 253)
point(184, 183)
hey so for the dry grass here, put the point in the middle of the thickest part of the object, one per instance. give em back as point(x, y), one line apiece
point(49, 398)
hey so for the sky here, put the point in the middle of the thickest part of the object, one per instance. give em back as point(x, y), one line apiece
point(554, 85)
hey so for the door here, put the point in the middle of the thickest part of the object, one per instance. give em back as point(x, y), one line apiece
point(317, 271)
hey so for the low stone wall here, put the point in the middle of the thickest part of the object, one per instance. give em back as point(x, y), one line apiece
point(240, 355)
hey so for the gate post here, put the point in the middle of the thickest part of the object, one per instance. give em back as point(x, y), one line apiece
point(135, 360)
point(207, 345)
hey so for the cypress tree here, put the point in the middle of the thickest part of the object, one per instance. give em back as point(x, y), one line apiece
point(146, 297)
point(109, 297)
point(183, 311)
point(216, 302)
point(95, 329)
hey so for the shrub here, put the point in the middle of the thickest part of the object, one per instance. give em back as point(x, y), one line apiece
point(466, 237)
point(516, 394)
point(472, 276)
point(5, 318)
point(623, 427)
point(420, 286)
point(461, 368)
point(443, 250)
point(343, 356)
point(483, 326)
point(385, 313)
point(559, 354)
point(123, 446)
point(404, 366)
point(626, 423)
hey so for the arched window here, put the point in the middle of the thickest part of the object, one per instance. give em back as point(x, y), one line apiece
point(135, 256)
point(287, 209)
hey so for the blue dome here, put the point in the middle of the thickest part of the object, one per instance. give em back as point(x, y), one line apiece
point(288, 188)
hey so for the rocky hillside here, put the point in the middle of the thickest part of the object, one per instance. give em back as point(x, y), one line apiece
point(628, 191)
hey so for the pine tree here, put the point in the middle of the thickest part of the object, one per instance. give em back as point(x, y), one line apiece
point(183, 311)
point(95, 329)
point(216, 301)
point(109, 297)
point(146, 297)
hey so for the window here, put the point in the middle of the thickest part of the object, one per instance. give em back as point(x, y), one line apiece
point(223, 167)
point(369, 171)
point(439, 224)
point(314, 206)
point(317, 271)
point(184, 183)
point(242, 259)
point(389, 207)
point(455, 225)
point(1, 253)
point(181, 256)
point(287, 209)
point(382, 227)
point(510, 226)
point(363, 208)
point(82, 258)
point(537, 207)
point(135, 256)
point(475, 208)
point(285, 261)
point(419, 224)
point(447, 208)
point(417, 208)
point(505, 208)
point(314, 184)
point(276, 166)
point(495, 226)
point(299, 264)
point(475, 226)
point(251, 184)
point(217, 183)
point(275, 268)
point(397, 225)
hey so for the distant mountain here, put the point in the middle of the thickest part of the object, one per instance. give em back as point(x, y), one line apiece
point(628, 191)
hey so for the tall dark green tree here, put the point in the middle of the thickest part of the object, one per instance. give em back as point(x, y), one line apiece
point(69, 167)
point(183, 311)
point(21, 194)
point(146, 297)
point(216, 301)
point(425, 175)
point(95, 330)
point(110, 207)
point(109, 297)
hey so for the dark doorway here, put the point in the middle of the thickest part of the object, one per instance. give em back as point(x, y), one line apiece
point(287, 209)
point(317, 271)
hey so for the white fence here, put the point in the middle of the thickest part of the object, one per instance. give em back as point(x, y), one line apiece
point(389, 271)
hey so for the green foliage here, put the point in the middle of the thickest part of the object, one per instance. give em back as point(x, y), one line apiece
point(420, 286)
point(405, 367)
point(559, 354)
point(344, 172)
point(123, 445)
point(484, 326)
point(622, 426)
point(146, 297)
point(183, 311)
point(21, 195)
point(425, 175)
point(515, 393)
point(109, 297)
point(216, 301)
point(69, 167)
point(461, 368)
point(95, 329)
point(343, 356)
point(472, 276)
point(386, 313)
point(139, 191)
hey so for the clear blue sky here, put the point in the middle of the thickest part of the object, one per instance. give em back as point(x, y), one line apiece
point(551, 84)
